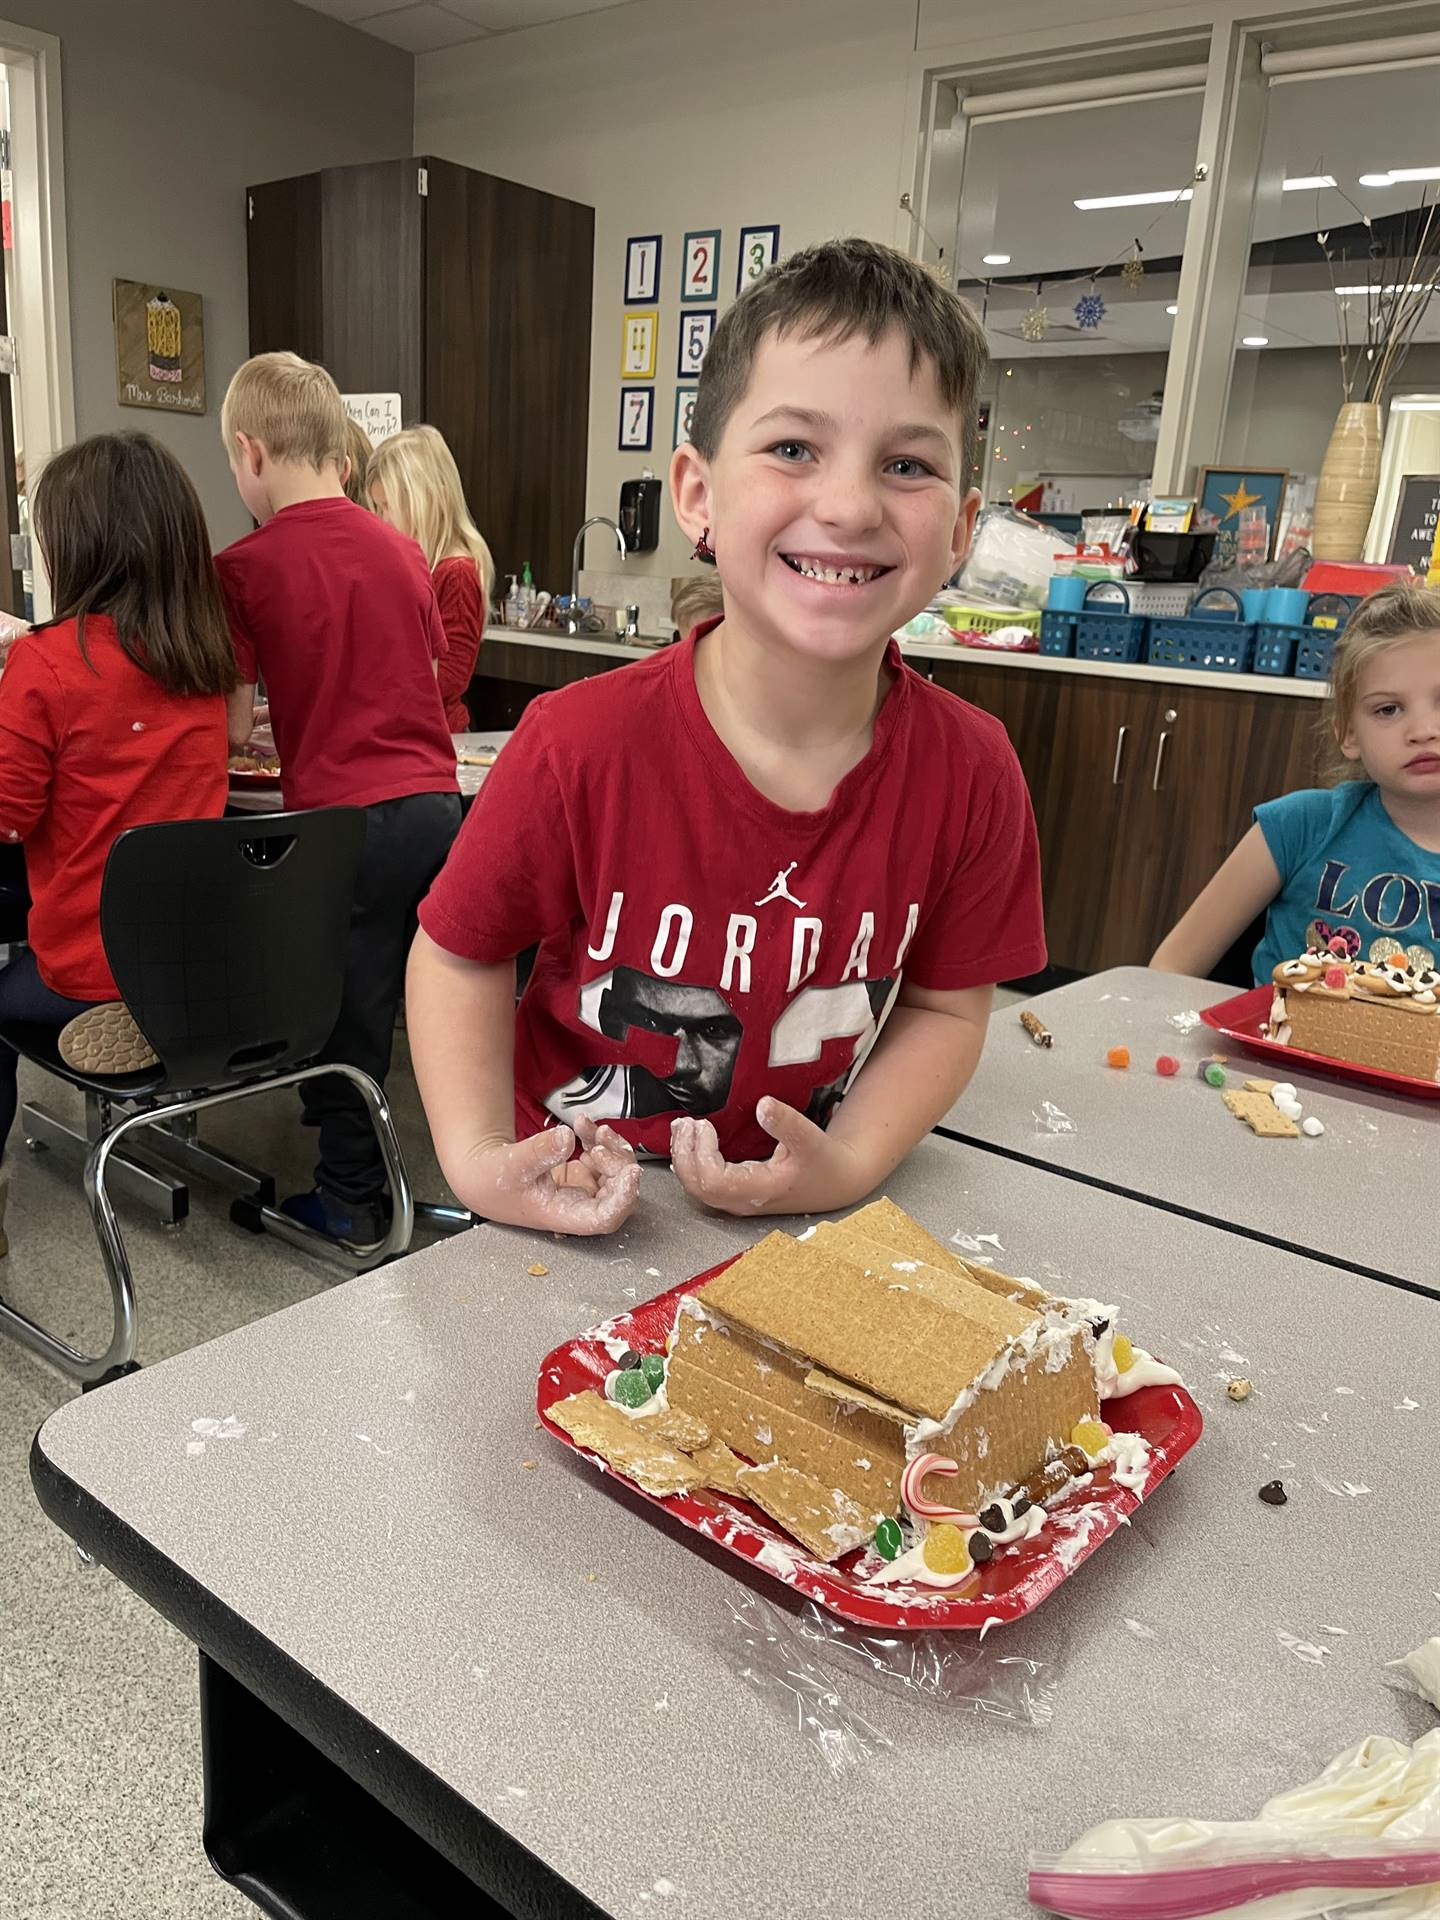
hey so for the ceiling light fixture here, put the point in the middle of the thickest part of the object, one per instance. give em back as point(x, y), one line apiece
point(1307, 180)
point(995, 259)
point(1172, 311)
point(1412, 286)
point(1098, 205)
point(1255, 340)
point(1376, 180)
point(1415, 406)
point(1415, 173)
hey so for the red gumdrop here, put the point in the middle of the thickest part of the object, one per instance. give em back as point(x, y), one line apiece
point(1167, 1064)
point(1335, 978)
point(1340, 946)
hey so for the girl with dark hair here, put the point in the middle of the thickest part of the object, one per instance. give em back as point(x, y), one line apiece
point(111, 716)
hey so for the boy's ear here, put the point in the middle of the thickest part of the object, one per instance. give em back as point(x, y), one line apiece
point(249, 454)
point(690, 490)
point(964, 529)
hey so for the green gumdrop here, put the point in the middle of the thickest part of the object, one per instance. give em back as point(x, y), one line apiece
point(888, 1539)
point(631, 1389)
point(1215, 1075)
point(652, 1365)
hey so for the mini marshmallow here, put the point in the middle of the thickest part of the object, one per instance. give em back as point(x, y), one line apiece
point(1290, 1108)
point(1282, 1090)
point(1313, 1127)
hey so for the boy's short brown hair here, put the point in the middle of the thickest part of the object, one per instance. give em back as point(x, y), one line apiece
point(288, 404)
point(835, 291)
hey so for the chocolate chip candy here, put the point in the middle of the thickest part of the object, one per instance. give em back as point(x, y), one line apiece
point(1274, 1494)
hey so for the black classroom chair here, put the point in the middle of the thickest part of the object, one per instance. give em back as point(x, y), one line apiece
point(227, 942)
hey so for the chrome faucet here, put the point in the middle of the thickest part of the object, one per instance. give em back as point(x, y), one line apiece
point(572, 620)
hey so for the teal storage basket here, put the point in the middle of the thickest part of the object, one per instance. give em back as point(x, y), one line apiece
point(1057, 632)
point(1214, 639)
point(1102, 635)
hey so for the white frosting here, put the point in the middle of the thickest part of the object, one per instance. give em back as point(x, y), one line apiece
point(1144, 1369)
point(910, 1566)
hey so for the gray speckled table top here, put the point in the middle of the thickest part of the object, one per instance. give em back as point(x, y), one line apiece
point(1359, 1194)
point(377, 1522)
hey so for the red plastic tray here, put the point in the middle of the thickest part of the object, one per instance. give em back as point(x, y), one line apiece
point(1240, 1020)
point(1004, 1589)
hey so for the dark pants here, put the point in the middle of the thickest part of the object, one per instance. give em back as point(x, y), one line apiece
point(25, 996)
point(406, 842)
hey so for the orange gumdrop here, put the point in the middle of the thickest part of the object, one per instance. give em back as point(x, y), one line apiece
point(1118, 1057)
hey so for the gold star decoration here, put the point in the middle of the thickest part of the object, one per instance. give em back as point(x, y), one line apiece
point(1240, 499)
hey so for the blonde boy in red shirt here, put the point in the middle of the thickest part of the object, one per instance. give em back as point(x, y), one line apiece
point(335, 611)
point(770, 852)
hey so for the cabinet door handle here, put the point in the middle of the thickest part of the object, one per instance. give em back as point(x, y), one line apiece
point(1159, 763)
point(1120, 733)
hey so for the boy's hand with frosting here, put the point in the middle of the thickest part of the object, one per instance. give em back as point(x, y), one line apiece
point(536, 1183)
point(810, 1171)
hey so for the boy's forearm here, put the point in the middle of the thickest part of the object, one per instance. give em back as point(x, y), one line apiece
point(461, 1022)
point(921, 1064)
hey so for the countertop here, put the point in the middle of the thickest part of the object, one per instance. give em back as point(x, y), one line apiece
point(925, 650)
point(1358, 1195)
point(540, 1669)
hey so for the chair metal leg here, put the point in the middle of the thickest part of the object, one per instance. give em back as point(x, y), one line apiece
point(444, 1219)
point(121, 1349)
point(139, 1180)
point(402, 1221)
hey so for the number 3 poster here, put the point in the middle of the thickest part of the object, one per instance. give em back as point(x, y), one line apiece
point(759, 249)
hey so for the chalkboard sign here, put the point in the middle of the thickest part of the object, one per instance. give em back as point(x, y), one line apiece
point(1413, 534)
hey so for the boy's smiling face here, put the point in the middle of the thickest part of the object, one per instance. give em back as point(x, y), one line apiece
point(836, 501)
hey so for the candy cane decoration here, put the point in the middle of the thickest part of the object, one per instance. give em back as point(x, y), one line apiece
point(919, 1504)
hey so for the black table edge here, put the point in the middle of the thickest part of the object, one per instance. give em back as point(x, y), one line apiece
point(499, 1865)
point(1301, 1251)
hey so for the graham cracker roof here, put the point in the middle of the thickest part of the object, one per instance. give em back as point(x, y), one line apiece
point(887, 1225)
point(829, 1299)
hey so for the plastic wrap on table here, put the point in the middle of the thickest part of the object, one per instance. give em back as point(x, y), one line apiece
point(776, 1663)
point(953, 1670)
point(1418, 1673)
point(1049, 1119)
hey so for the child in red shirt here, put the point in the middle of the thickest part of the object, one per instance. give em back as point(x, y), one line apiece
point(773, 872)
point(414, 484)
point(111, 716)
point(336, 612)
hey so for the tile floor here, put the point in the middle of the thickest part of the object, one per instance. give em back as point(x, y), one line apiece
point(100, 1785)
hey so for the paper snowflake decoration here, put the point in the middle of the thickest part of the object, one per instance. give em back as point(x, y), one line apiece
point(1132, 272)
point(1089, 310)
point(1035, 324)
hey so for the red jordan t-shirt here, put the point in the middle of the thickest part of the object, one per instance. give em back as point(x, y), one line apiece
point(334, 610)
point(701, 946)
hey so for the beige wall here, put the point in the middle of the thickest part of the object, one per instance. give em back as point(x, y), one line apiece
point(674, 114)
point(171, 108)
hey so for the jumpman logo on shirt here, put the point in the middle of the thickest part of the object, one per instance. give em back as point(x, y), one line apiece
point(780, 888)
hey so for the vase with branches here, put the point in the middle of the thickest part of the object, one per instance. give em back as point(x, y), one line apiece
point(1402, 271)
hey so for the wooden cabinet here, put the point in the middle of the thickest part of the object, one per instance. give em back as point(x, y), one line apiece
point(1141, 788)
point(468, 295)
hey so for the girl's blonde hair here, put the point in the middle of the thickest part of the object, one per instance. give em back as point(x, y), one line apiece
point(1385, 618)
point(695, 599)
point(423, 491)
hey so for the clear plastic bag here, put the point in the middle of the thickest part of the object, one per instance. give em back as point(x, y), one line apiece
point(952, 1669)
point(1317, 1878)
point(773, 1662)
point(1010, 560)
point(1417, 1673)
point(1050, 1119)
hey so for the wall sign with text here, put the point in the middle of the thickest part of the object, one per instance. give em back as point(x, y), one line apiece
point(376, 414)
point(700, 267)
point(1412, 538)
point(159, 347)
point(637, 419)
point(684, 414)
point(637, 344)
point(642, 269)
point(759, 249)
point(695, 332)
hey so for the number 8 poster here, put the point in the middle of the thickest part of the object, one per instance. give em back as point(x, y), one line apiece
point(700, 266)
point(759, 249)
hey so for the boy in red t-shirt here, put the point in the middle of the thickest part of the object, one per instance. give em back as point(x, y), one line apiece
point(741, 856)
point(335, 611)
